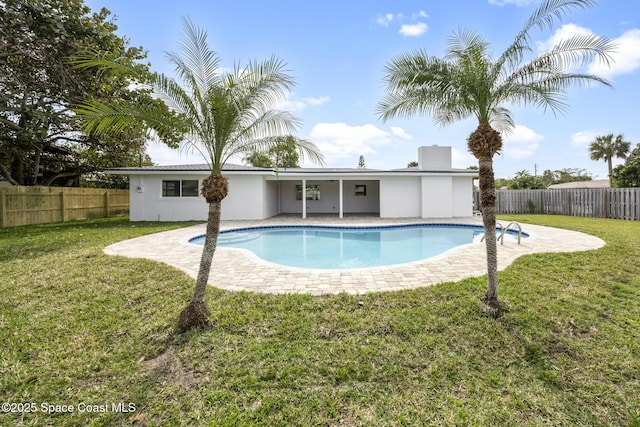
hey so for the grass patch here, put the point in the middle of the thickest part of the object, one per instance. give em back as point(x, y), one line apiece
point(81, 328)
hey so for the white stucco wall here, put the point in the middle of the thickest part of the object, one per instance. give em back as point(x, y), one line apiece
point(434, 158)
point(288, 204)
point(257, 196)
point(437, 197)
point(245, 199)
point(369, 203)
point(462, 197)
point(426, 197)
point(400, 197)
point(147, 203)
point(271, 199)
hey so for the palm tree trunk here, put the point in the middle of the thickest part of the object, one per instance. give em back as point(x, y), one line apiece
point(610, 165)
point(196, 314)
point(210, 243)
point(493, 306)
point(488, 207)
point(484, 143)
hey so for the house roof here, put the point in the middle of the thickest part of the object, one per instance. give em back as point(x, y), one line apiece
point(233, 169)
point(596, 183)
point(187, 168)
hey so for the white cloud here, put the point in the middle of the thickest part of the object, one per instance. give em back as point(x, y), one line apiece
point(564, 32)
point(401, 133)
point(295, 105)
point(420, 14)
point(519, 3)
point(413, 30)
point(162, 155)
point(584, 138)
point(625, 59)
point(339, 141)
point(316, 101)
point(522, 143)
point(385, 19)
point(462, 159)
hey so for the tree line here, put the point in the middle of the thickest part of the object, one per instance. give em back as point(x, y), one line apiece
point(604, 147)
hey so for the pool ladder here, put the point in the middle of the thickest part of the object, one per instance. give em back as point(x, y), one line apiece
point(505, 230)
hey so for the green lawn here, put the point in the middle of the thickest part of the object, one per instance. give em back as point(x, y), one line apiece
point(81, 328)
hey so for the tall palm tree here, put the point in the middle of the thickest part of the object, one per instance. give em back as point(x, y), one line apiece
point(469, 82)
point(606, 148)
point(217, 113)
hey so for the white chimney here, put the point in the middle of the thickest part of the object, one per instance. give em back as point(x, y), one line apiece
point(434, 158)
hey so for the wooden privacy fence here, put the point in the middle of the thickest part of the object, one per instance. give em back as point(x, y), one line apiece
point(617, 203)
point(40, 205)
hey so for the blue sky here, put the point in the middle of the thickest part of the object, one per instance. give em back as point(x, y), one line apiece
point(336, 49)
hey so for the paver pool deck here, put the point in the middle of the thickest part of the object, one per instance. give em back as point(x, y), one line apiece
point(239, 270)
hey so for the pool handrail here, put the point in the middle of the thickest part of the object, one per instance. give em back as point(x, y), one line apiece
point(505, 229)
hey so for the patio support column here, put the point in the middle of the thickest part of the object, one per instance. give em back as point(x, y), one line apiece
point(304, 199)
point(341, 212)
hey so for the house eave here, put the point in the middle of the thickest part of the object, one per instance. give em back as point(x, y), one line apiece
point(289, 175)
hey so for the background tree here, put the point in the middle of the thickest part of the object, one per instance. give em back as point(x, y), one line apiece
point(40, 143)
point(282, 155)
point(561, 176)
point(361, 164)
point(502, 183)
point(628, 174)
point(523, 180)
point(605, 148)
point(259, 160)
point(218, 113)
point(469, 82)
point(412, 164)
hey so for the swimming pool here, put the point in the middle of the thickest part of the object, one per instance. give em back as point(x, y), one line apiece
point(324, 247)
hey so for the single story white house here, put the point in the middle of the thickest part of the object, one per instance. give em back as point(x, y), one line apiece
point(432, 190)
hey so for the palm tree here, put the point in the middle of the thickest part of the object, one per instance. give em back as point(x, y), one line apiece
point(218, 113)
point(605, 147)
point(469, 82)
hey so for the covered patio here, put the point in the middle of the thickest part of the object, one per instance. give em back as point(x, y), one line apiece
point(328, 195)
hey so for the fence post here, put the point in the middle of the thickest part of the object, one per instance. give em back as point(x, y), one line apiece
point(63, 208)
point(106, 204)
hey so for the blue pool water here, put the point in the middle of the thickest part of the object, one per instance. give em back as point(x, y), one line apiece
point(321, 247)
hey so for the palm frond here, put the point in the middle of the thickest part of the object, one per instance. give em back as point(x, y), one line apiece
point(501, 120)
point(416, 84)
point(102, 62)
point(545, 16)
point(463, 43)
point(197, 65)
point(550, 11)
point(580, 50)
point(100, 118)
point(217, 113)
